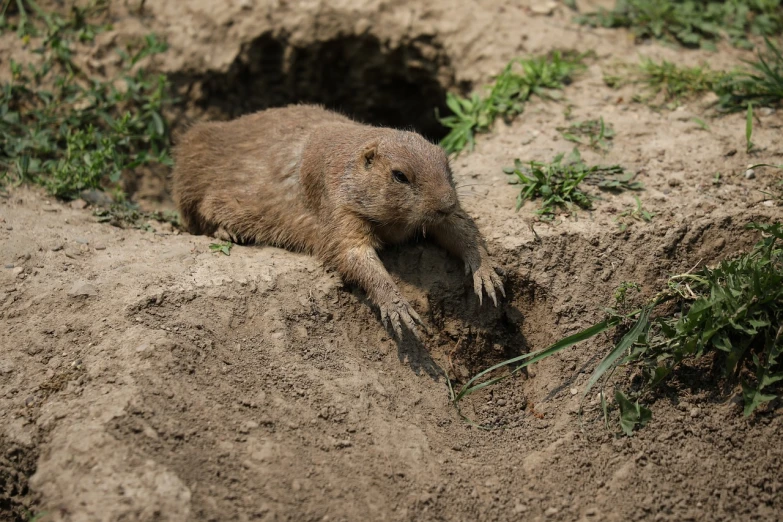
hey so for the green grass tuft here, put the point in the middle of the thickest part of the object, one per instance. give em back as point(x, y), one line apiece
point(559, 183)
point(668, 84)
point(68, 130)
point(593, 133)
point(637, 213)
point(762, 85)
point(692, 23)
point(665, 83)
point(520, 79)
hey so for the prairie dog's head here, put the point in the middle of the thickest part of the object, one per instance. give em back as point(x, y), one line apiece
point(402, 178)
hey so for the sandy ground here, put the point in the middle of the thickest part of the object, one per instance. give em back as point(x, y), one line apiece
point(145, 378)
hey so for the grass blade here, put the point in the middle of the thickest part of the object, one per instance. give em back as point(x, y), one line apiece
point(625, 343)
point(530, 358)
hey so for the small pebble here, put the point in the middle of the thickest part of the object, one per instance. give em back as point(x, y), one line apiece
point(695, 412)
point(550, 512)
point(750, 174)
point(501, 402)
point(57, 248)
point(574, 391)
point(9, 228)
point(82, 289)
point(82, 241)
point(9, 265)
point(100, 247)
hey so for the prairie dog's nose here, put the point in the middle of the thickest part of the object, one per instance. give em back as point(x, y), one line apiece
point(447, 204)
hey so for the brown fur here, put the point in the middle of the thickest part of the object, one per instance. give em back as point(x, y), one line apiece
point(311, 180)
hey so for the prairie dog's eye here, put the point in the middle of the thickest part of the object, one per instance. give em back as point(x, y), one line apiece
point(399, 177)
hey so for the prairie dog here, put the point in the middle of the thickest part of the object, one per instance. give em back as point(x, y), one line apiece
point(308, 179)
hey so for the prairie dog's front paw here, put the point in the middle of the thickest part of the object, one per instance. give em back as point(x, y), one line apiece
point(398, 311)
point(486, 277)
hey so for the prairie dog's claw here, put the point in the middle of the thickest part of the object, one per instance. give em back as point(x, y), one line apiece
point(485, 278)
point(401, 312)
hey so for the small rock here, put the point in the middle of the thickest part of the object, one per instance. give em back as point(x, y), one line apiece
point(78, 204)
point(246, 4)
point(501, 402)
point(550, 512)
point(100, 247)
point(343, 444)
point(591, 512)
point(750, 174)
point(769, 203)
point(544, 8)
point(324, 413)
point(96, 197)
point(673, 182)
point(82, 289)
point(33, 349)
point(520, 508)
point(695, 412)
point(82, 241)
point(9, 266)
point(57, 247)
point(17, 271)
point(9, 228)
point(574, 391)
point(766, 111)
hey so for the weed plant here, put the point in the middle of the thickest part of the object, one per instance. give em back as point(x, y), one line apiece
point(692, 23)
point(761, 86)
point(635, 214)
point(66, 129)
point(594, 133)
point(560, 183)
point(520, 79)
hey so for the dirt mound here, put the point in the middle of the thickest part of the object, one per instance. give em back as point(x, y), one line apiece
point(145, 378)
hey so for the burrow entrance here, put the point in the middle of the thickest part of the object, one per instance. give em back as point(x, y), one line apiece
point(358, 75)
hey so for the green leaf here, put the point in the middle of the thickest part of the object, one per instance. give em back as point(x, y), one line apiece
point(753, 398)
point(224, 248)
point(631, 414)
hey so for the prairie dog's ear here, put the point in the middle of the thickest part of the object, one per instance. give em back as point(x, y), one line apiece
point(369, 153)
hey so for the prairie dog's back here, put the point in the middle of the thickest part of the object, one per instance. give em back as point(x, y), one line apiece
point(252, 161)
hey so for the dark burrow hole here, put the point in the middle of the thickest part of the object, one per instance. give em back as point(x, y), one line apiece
point(357, 75)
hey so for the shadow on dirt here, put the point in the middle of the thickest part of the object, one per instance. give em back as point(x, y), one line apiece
point(17, 465)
